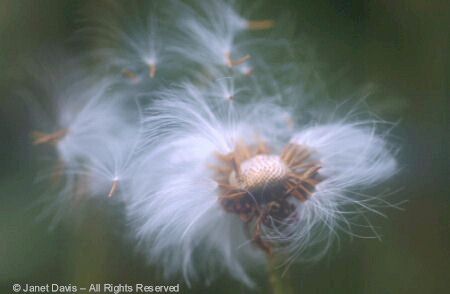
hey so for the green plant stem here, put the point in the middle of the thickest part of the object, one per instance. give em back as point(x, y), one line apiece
point(278, 281)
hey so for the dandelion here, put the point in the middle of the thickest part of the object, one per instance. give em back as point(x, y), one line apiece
point(237, 178)
point(230, 168)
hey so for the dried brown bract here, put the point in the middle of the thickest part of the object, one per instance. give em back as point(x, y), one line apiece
point(259, 185)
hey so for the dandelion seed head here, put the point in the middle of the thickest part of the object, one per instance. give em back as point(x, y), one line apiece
point(278, 188)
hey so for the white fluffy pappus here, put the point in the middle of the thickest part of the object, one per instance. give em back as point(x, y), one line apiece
point(213, 35)
point(85, 126)
point(110, 167)
point(74, 109)
point(131, 39)
point(188, 220)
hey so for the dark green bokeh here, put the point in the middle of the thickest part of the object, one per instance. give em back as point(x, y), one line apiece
point(402, 46)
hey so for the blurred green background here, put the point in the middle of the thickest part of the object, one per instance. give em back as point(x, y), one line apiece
point(402, 46)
